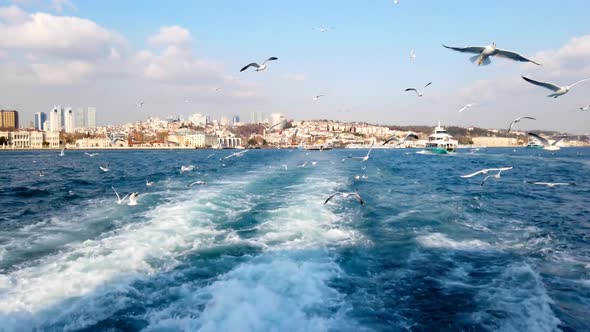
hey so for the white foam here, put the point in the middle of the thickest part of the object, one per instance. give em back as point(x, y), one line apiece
point(439, 240)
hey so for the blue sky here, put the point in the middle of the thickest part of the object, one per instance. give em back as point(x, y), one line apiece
point(361, 65)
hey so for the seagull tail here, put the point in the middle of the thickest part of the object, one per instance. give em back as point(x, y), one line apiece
point(474, 58)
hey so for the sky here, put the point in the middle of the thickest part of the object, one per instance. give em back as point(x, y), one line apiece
point(174, 55)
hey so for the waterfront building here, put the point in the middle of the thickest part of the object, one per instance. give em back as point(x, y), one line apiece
point(8, 119)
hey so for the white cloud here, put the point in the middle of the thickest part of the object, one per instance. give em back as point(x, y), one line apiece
point(13, 15)
point(171, 35)
point(63, 73)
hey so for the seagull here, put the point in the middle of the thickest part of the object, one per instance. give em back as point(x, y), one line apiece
point(396, 2)
point(104, 168)
point(41, 174)
point(303, 165)
point(318, 97)
point(196, 183)
point(133, 198)
point(466, 107)
point(209, 156)
point(412, 55)
point(140, 104)
point(257, 66)
point(546, 145)
point(365, 158)
point(558, 90)
point(486, 170)
point(497, 176)
point(284, 167)
point(585, 108)
point(186, 168)
point(62, 152)
point(345, 195)
point(313, 163)
point(119, 199)
point(419, 93)
point(400, 141)
point(91, 154)
point(149, 183)
point(484, 53)
point(552, 184)
point(236, 154)
point(518, 120)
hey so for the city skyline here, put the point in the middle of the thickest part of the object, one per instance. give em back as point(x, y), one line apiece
point(178, 65)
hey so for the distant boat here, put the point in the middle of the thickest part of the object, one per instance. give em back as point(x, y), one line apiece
point(440, 142)
point(317, 147)
point(534, 145)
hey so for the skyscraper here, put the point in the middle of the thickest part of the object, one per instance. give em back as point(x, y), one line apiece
point(8, 119)
point(257, 117)
point(235, 120)
point(70, 124)
point(80, 116)
point(40, 118)
point(55, 119)
point(91, 117)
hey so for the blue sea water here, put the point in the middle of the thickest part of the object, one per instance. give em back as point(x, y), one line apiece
point(255, 249)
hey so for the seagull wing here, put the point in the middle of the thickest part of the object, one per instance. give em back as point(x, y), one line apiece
point(514, 56)
point(412, 89)
point(543, 140)
point(410, 135)
point(427, 84)
point(579, 82)
point(392, 138)
point(116, 193)
point(545, 85)
point(484, 180)
point(253, 64)
point(468, 49)
point(370, 149)
point(331, 196)
point(474, 174)
point(358, 197)
point(272, 58)
point(557, 141)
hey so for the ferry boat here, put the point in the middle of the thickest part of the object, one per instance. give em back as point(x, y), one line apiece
point(440, 142)
point(534, 145)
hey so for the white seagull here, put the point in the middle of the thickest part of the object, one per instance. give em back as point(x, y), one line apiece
point(546, 145)
point(104, 168)
point(400, 141)
point(365, 158)
point(91, 154)
point(497, 176)
point(585, 108)
point(419, 93)
point(133, 198)
point(62, 152)
point(485, 52)
point(518, 120)
point(257, 66)
point(196, 183)
point(345, 195)
point(303, 165)
point(412, 55)
point(119, 199)
point(552, 184)
point(466, 107)
point(41, 174)
point(209, 156)
point(486, 170)
point(236, 154)
point(186, 168)
point(149, 183)
point(315, 98)
point(557, 90)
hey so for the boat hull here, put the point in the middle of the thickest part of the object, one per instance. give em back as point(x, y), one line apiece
point(437, 150)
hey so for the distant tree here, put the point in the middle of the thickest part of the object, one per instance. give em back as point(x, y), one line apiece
point(45, 144)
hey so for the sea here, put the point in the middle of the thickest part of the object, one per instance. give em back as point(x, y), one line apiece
point(256, 248)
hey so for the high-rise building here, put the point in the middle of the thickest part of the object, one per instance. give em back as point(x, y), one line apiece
point(8, 119)
point(39, 119)
point(70, 124)
point(46, 125)
point(80, 116)
point(224, 121)
point(55, 119)
point(235, 120)
point(91, 117)
point(257, 117)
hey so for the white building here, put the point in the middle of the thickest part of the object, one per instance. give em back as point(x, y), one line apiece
point(224, 121)
point(53, 139)
point(198, 140)
point(37, 139)
point(21, 139)
point(55, 119)
point(70, 124)
point(230, 142)
point(46, 125)
point(91, 117)
point(102, 142)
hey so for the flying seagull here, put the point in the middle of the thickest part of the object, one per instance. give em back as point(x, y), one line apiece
point(558, 90)
point(196, 183)
point(186, 168)
point(91, 154)
point(412, 55)
point(149, 183)
point(257, 66)
point(400, 141)
point(104, 168)
point(419, 93)
point(365, 158)
point(546, 145)
point(133, 198)
point(466, 107)
point(486, 170)
point(585, 108)
point(552, 184)
point(345, 195)
point(497, 176)
point(518, 120)
point(318, 97)
point(484, 53)
point(236, 154)
point(119, 199)
point(62, 152)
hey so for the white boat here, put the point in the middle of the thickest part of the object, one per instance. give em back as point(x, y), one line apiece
point(440, 142)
